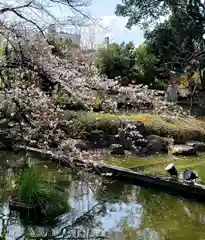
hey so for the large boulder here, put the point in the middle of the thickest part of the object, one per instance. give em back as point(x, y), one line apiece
point(199, 146)
point(156, 143)
point(82, 146)
point(99, 138)
point(180, 149)
point(117, 149)
point(95, 135)
point(113, 139)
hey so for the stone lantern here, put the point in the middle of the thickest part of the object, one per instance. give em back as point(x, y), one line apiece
point(173, 85)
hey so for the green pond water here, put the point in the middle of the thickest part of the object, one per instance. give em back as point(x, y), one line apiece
point(114, 210)
point(156, 165)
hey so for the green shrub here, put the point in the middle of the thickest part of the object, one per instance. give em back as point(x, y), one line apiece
point(82, 123)
point(137, 65)
point(36, 188)
point(68, 103)
point(146, 64)
point(118, 60)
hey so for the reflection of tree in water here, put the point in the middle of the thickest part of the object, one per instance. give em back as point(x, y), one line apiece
point(85, 220)
point(123, 208)
point(112, 191)
point(116, 208)
point(81, 222)
point(168, 216)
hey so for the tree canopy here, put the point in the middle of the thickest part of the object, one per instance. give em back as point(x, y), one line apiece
point(131, 64)
point(174, 30)
point(176, 39)
point(148, 11)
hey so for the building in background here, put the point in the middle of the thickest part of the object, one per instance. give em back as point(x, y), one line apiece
point(106, 41)
point(62, 35)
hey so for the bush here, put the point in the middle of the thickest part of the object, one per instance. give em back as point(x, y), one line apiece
point(68, 103)
point(82, 123)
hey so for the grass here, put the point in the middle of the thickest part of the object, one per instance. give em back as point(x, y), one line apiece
point(195, 164)
point(181, 130)
point(156, 165)
point(134, 162)
point(37, 188)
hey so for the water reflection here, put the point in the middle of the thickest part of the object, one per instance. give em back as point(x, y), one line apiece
point(114, 211)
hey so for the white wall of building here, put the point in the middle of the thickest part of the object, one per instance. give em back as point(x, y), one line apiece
point(52, 32)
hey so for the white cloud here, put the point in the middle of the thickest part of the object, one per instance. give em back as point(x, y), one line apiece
point(116, 31)
point(115, 25)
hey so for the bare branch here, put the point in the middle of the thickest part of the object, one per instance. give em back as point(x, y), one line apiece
point(3, 10)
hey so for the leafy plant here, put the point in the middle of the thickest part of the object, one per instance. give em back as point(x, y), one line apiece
point(64, 101)
point(131, 64)
point(117, 60)
point(146, 63)
point(38, 189)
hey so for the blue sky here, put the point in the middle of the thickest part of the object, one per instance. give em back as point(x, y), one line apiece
point(105, 9)
point(104, 12)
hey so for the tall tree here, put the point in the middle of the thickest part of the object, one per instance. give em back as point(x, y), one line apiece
point(176, 39)
point(148, 11)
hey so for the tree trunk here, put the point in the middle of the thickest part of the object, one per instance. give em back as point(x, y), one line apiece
point(203, 80)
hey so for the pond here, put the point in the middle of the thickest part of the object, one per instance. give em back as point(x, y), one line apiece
point(103, 210)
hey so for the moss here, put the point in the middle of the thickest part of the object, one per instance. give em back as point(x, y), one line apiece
point(134, 162)
point(156, 165)
point(181, 130)
point(81, 123)
point(196, 164)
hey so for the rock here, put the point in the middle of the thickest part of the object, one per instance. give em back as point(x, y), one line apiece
point(82, 146)
point(99, 138)
point(138, 125)
point(117, 149)
point(157, 143)
point(3, 123)
point(96, 135)
point(69, 144)
point(199, 146)
point(127, 144)
point(159, 93)
point(181, 149)
point(113, 139)
point(12, 124)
